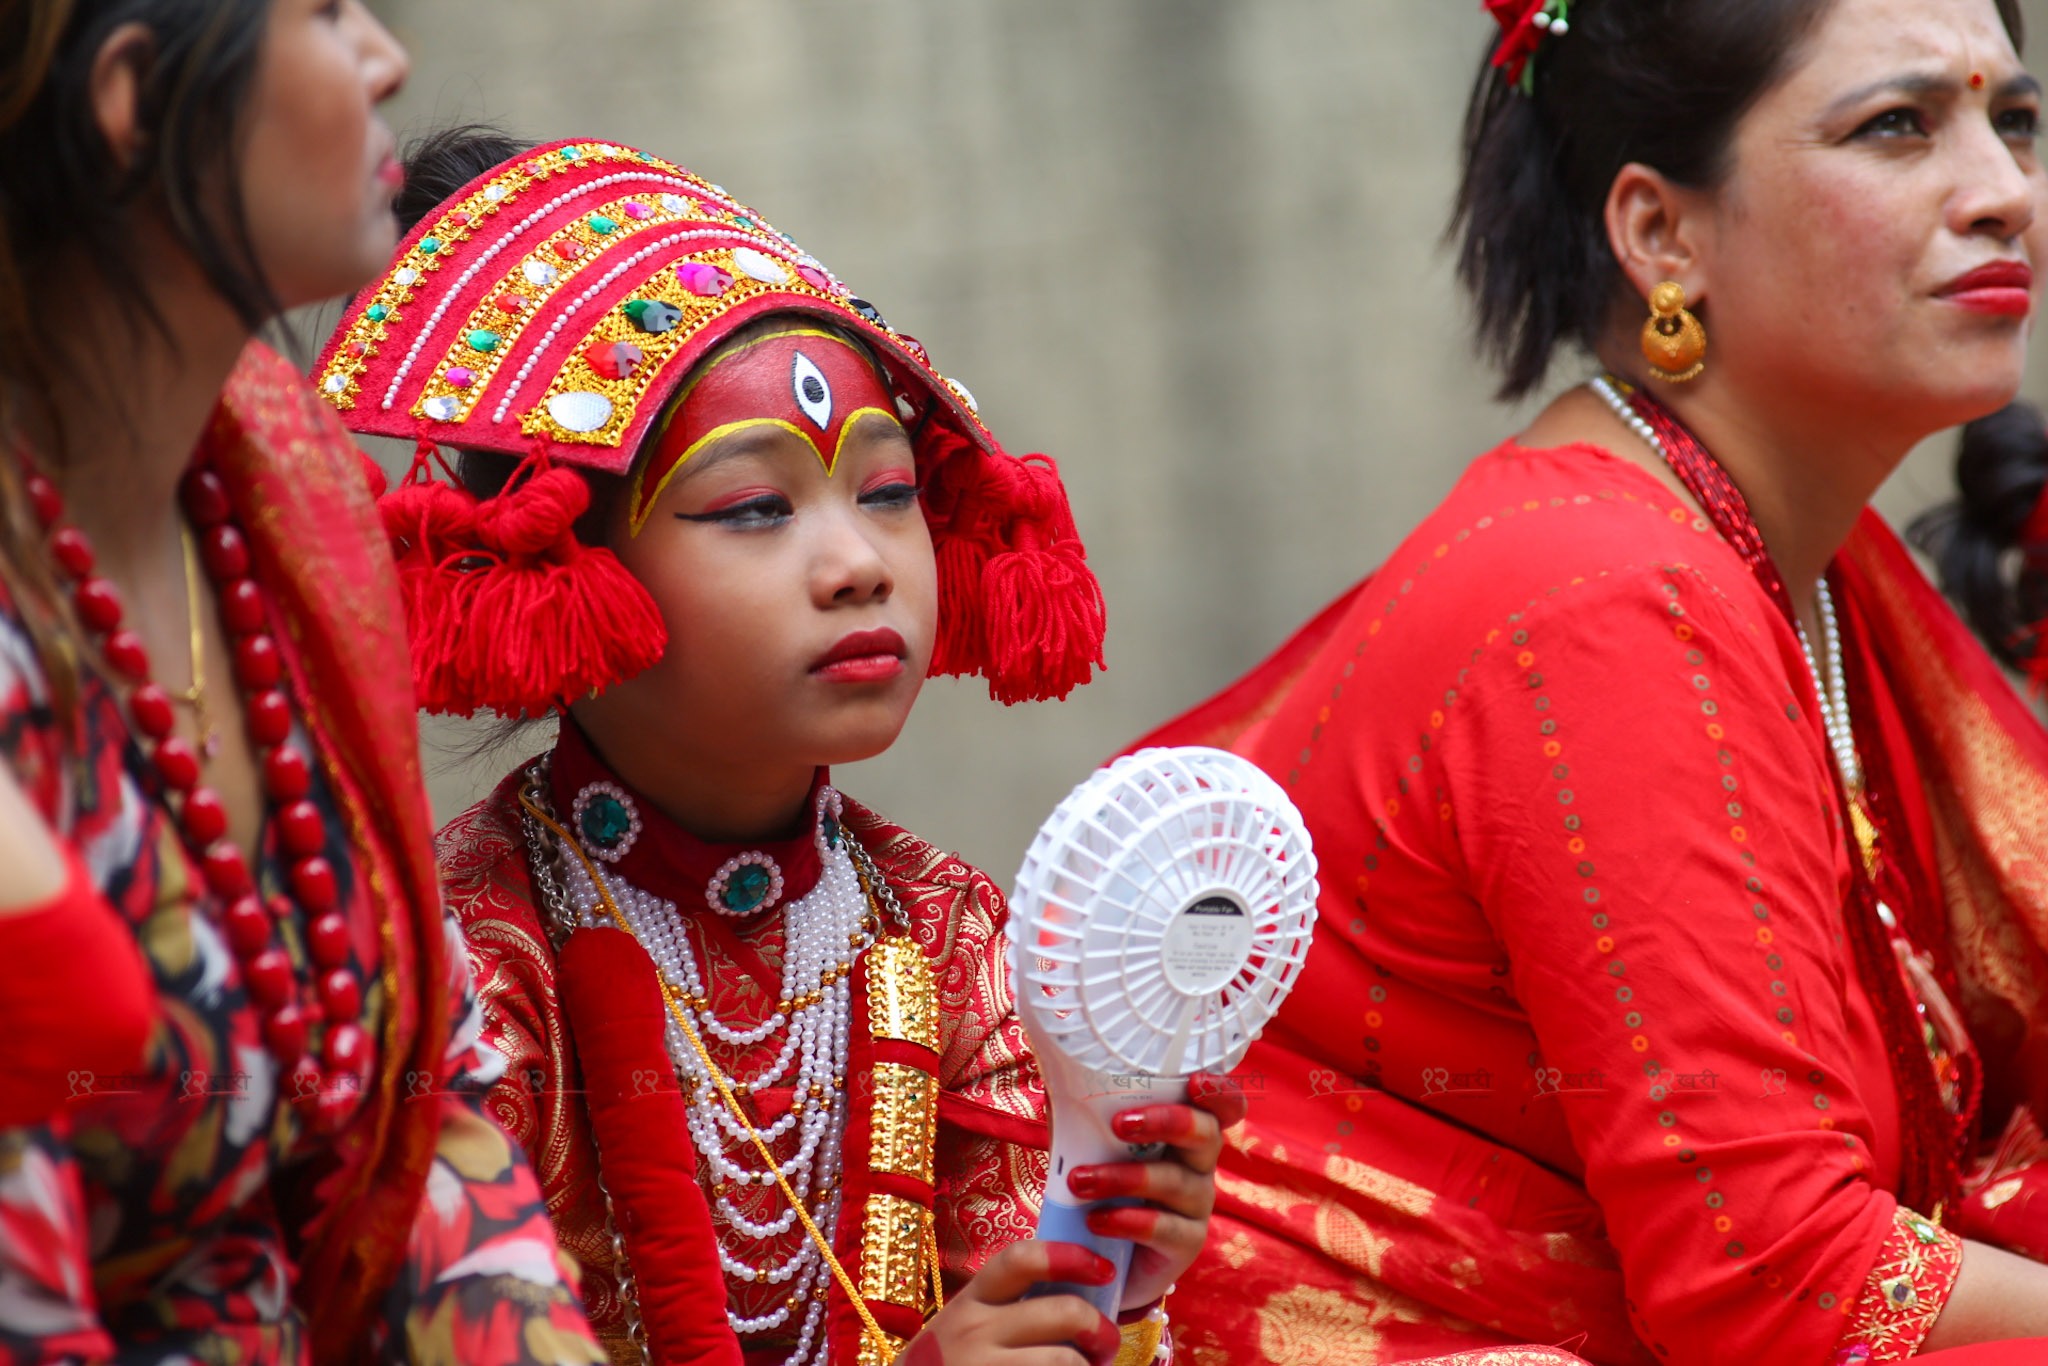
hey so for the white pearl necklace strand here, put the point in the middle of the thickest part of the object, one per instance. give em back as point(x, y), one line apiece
point(825, 930)
point(1830, 687)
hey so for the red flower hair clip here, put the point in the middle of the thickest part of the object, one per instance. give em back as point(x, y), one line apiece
point(1524, 24)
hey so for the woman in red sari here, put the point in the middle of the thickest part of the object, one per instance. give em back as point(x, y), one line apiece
point(240, 1122)
point(1680, 990)
point(719, 519)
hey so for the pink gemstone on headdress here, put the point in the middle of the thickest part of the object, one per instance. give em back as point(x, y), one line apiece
point(703, 279)
point(510, 303)
point(458, 217)
point(817, 279)
point(461, 376)
point(614, 360)
point(633, 208)
point(568, 249)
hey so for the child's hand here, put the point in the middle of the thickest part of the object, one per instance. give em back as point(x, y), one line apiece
point(1180, 1188)
point(989, 1324)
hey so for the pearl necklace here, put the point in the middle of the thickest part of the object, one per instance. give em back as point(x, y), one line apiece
point(825, 931)
point(1830, 686)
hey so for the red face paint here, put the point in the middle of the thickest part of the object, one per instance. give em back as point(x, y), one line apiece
point(804, 381)
point(1976, 80)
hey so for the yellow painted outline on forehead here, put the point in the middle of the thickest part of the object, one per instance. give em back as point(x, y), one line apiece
point(642, 509)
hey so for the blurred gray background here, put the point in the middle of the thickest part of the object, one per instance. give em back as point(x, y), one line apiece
point(1190, 248)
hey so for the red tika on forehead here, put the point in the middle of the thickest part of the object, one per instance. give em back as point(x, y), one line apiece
point(554, 303)
point(547, 311)
point(805, 381)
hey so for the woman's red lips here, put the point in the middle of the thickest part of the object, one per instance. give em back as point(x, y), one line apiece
point(863, 657)
point(2005, 288)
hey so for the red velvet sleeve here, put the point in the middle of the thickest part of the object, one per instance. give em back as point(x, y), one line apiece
point(1642, 800)
point(992, 1132)
point(79, 1000)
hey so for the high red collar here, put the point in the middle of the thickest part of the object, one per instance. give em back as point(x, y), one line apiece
point(663, 858)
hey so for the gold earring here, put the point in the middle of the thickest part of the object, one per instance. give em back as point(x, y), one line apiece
point(1673, 341)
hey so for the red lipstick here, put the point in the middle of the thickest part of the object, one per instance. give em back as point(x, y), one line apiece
point(2002, 288)
point(863, 657)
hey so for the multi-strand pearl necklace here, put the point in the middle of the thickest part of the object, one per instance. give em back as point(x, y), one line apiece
point(825, 931)
point(1829, 685)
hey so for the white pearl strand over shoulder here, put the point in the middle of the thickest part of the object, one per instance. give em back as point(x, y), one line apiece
point(1830, 687)
point(825, 930)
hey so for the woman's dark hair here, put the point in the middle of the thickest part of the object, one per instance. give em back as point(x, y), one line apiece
point(1661, 82)
point(1977, 541)
point(69, 206)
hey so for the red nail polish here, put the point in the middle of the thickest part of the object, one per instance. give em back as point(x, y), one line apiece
point(1131, 1125)
point(1084, 1183)
point(1072, 1262)
point(1103, 1343)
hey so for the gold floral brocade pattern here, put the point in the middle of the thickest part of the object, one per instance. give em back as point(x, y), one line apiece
point(1906, 1288)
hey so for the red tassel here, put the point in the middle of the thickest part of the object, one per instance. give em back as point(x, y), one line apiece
point(548, 617)
point(429, 525)
point(1042, 616)
point(961, 646)
point(505, 608)
point(373, 475)
point(1046, 621)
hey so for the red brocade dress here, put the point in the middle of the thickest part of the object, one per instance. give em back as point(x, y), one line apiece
point(944, 1139)
point(174, 1206)
point(1582, 1055)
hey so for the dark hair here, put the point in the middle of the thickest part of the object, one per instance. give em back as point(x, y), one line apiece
point(1661, 82)
point(68, 207)
point(1976, 541)
point(439, 163)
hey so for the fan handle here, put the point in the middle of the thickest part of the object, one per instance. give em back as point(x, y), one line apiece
point(1083, 1102)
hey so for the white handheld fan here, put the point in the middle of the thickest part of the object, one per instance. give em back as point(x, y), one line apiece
point(1160, 918)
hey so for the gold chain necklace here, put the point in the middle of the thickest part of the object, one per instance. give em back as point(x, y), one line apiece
point(195, 696)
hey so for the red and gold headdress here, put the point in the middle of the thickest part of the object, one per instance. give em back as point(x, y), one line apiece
point(549, 310)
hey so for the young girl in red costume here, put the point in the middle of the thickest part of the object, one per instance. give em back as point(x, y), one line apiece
point(722, 519)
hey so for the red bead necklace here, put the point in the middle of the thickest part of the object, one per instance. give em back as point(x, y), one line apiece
point(326, 1090)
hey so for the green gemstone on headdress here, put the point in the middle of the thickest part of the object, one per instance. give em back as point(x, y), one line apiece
point(571, 153)
point(601, 225)
point(652, 315)
point(831, 832)
point(376, 313)
point(483, 340)
point(429, 245)
point(746, 888)
point(605, 821)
